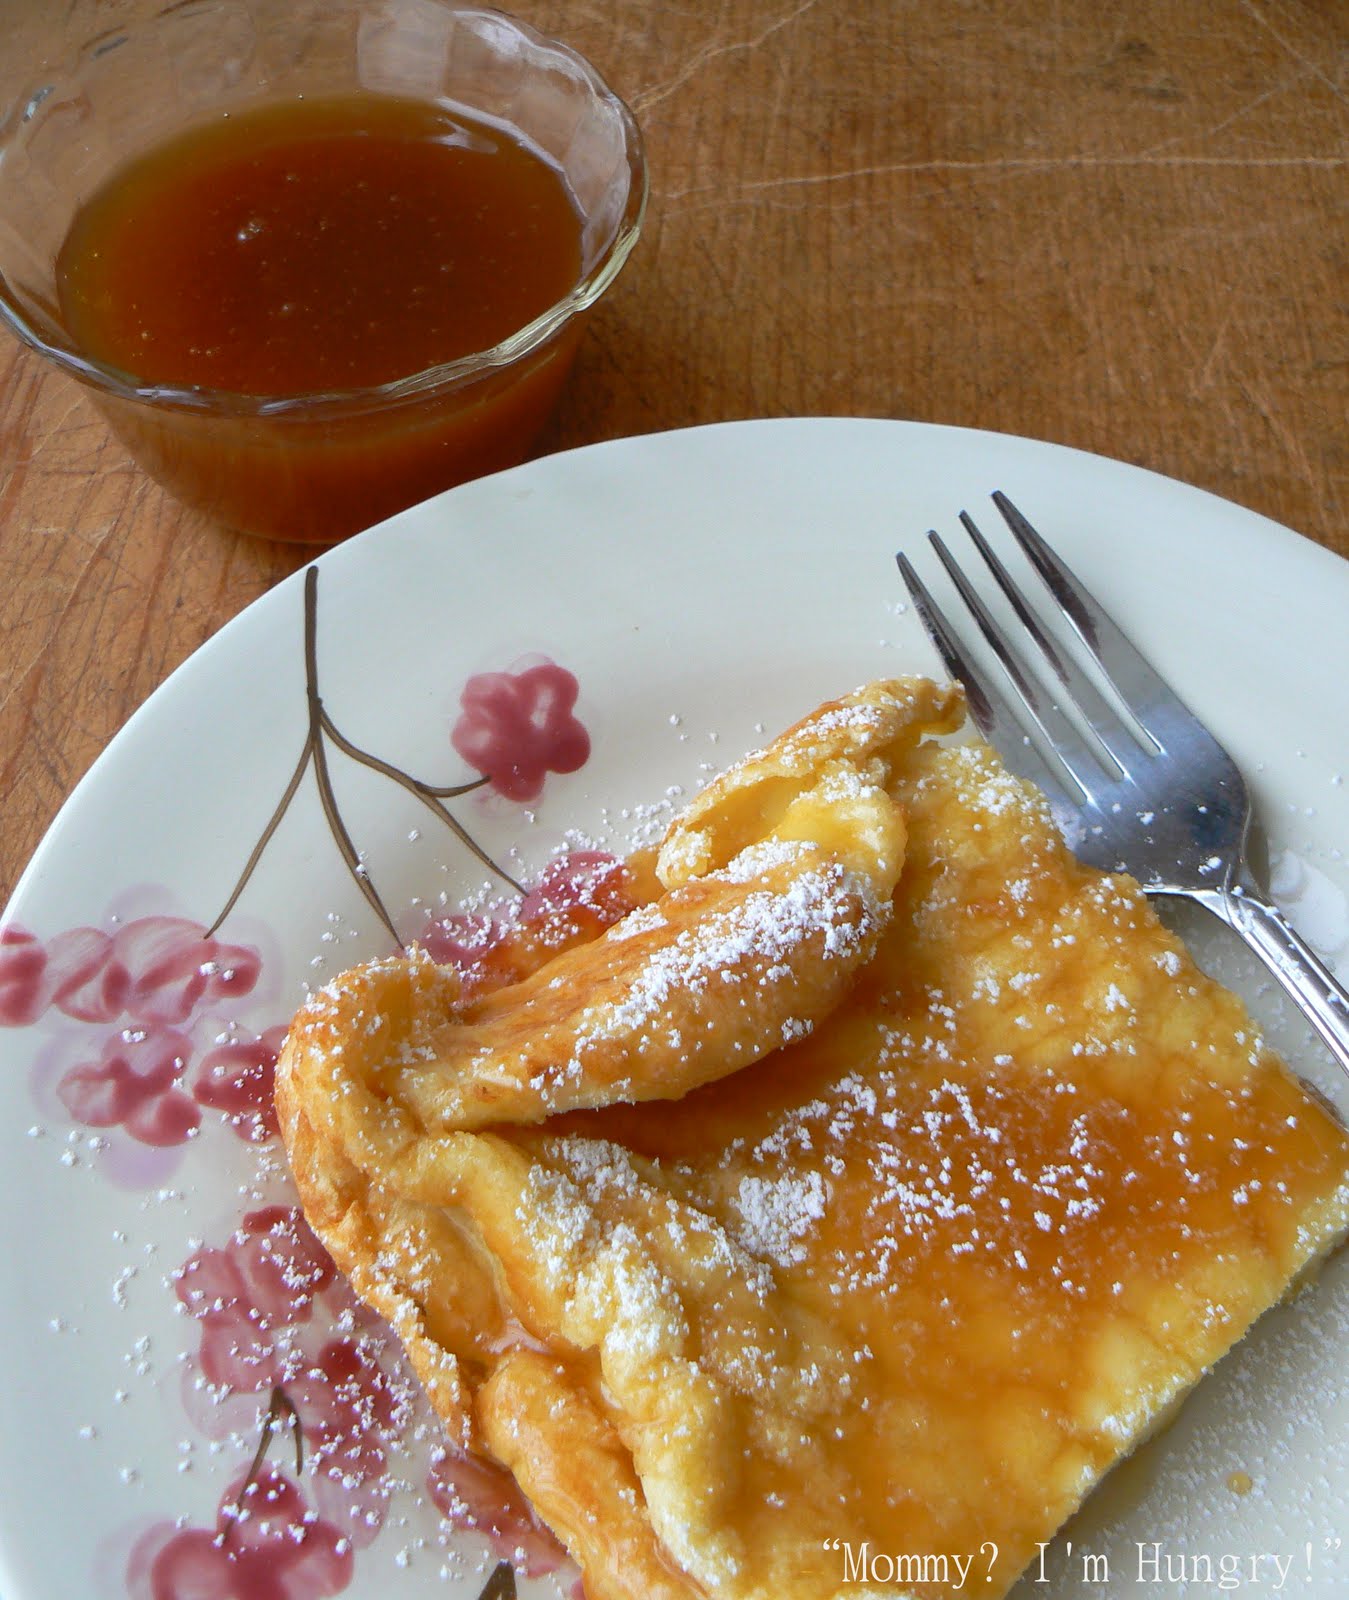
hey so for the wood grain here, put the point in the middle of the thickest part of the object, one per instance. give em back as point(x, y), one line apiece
point(1120, 228)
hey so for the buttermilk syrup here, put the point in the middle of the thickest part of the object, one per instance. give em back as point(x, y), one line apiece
point(317, 244)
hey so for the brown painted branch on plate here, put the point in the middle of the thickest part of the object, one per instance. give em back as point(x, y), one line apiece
point(280, 1413)
point(501, 1585)
point(322, 730)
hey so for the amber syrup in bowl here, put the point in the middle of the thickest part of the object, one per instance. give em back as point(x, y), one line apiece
point(306, 310)
point(314, 246)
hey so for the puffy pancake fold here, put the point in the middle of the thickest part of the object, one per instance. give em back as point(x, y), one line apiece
point(879, 1184)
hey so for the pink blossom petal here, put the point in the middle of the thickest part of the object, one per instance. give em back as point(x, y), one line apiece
point(238, 1078)
point(473, 1493)
point(344, 1407)
point(235, 1353)
point(157, 1055)
point(25, 987)
point(145, 1065)
point(485, 732)
point(231, 971)
point(464, 941)
point(89, 984)
point(134, 1084)
point(218, 1413)
point(236, 1349)
point(261, 1514)
point(357, 1375)
point(191, 1565)
point(102, 1095)
point(166, 958)
point(141, 1557)
point(282, 1261)
point(340, 1449)
point(325, 1565)
point(547, 693)
point(494, 697)
point(587, 880)
point(164, 1120)
point(210, 1284)
point(281, 1550)
point(355, 1510)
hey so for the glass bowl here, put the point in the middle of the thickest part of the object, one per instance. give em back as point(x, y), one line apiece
point(316, 467)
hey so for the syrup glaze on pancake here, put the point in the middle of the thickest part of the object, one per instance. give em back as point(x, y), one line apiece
point(916, 1278)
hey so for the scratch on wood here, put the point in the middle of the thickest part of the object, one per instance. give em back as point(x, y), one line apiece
point(1289, 440)
point(1257, 15)
point(646, 98)
point(1010, 166)
point(1204, 377)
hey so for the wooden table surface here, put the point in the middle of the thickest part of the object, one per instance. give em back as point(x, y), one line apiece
point(1124, 228)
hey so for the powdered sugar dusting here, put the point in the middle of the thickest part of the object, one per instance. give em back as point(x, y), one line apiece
point(752, 940)
point(777, 1213)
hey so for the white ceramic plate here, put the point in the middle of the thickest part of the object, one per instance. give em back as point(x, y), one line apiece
point(701, 587)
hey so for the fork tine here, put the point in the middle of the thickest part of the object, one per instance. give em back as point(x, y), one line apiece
point(1057, 733)
point(1102, 719)
point(991, 712)
point(1148, 698)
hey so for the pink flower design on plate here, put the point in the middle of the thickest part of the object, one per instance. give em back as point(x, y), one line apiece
point(237, 1078)
point(134, 1084)
point(583, 891)
point(23, 961)
point(476, 1494)
point(153, 979)
point(173, 966)
point(591, 885)
point(349, 1412)
point(154, 969)
point(268, 1543)
point(517, 727)
point(465, 941)
point(264, 1278)
point(265, 1303)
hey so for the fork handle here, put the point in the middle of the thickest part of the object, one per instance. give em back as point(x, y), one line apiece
point(1307, 979)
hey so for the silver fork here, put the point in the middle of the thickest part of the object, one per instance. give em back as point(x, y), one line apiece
point(1140, 786)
